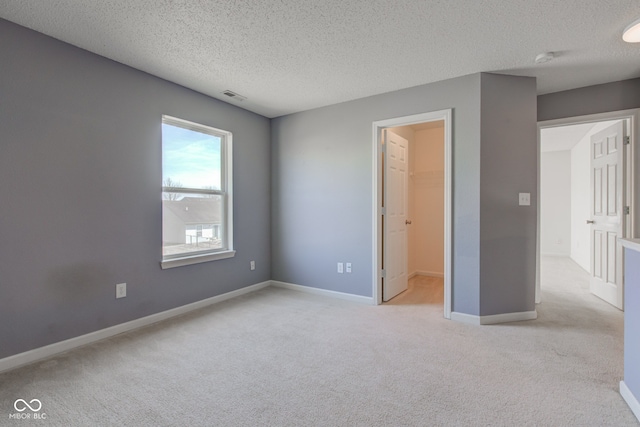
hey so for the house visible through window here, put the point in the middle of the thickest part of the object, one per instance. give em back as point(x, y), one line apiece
point(196, 193)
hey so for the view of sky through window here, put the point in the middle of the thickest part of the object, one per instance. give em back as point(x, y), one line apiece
point(190, 159)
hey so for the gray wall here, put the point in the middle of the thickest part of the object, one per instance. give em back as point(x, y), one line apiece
point(508, 167)
point(602, 98)
point(80, 191)
point(322, 189)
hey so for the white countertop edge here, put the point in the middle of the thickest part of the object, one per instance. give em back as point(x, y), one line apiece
point(631, 244)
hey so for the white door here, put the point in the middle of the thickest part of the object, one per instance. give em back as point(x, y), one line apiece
point(395, 206)
point(607, 216)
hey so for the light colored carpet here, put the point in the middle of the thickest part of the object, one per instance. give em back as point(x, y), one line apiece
point(284, 358)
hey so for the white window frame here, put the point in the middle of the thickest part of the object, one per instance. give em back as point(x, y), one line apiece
point(226, 160)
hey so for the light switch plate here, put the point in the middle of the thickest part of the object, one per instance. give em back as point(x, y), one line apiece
point(524, 199)
point(121, 290)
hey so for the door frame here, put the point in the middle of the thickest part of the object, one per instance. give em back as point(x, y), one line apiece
point(629, 221)
point(378, 126)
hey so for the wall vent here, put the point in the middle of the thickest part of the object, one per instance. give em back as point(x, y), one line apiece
point(234, 95)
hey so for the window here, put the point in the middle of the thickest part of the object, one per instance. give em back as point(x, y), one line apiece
point(196, 193)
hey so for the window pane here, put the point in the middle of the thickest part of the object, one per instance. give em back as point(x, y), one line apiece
point(191, 223)
point(190, 159)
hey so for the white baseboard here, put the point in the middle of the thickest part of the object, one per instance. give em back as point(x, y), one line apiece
point(465, 318)
point(324, 292)
point(494, 318)
point(426, 273)
point(556, 254)
point(34, 355)
point(631, 400)
point(508, 317)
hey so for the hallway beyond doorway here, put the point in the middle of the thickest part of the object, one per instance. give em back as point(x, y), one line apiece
point(565, 292)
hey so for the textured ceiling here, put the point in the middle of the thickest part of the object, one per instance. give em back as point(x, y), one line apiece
point(293, 55)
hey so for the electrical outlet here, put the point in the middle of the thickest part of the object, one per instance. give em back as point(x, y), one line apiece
point(253, 265)
point(340, 268)
point(348, 267)
point(121, 290)
point(524, 199)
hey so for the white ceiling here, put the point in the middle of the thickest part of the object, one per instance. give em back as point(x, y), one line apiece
point(566, 137)
point(292, 55)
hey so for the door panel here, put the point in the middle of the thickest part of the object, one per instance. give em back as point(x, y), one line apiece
point(597, 188)
point(612, 180)
point(607, 185)
point(597, 248)
point(395, 228)
point(611, 257)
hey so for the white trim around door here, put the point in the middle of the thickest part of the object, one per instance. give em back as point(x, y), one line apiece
point(378, 184)
point(630, 180)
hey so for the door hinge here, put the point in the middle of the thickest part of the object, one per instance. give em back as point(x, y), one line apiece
point(626, 140)
point(626, 210)
point(383, 210)
point(384, 148)
point(383, 273)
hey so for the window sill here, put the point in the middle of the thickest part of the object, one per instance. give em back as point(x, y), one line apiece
point(196, 259)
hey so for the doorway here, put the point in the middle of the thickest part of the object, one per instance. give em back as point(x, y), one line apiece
point(389, 262)
point(586, 181)
point(423, 227)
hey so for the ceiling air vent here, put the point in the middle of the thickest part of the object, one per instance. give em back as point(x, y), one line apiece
point(234, 95)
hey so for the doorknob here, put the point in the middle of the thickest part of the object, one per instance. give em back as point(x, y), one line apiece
point(590, 222)
point(408, 222)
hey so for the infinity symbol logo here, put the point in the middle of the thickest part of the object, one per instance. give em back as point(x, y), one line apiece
point(26, 405)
